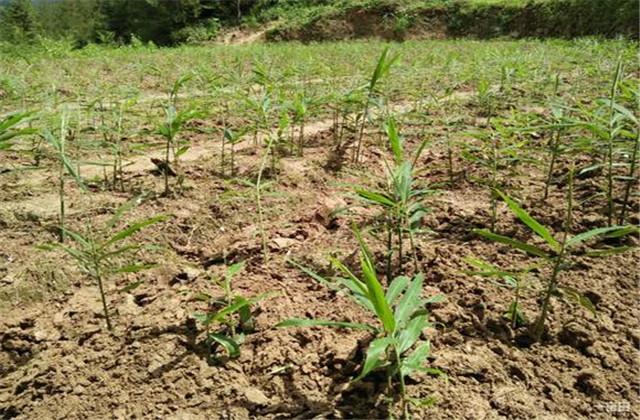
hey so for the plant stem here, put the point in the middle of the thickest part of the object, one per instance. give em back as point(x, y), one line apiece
point(450, 161)
point(265, 251)
point(223, 140)
point(166, 170)
point(389, 250)
point(403, 390)
point(494, 178)
point(610, 139)
point(555, 145)
point(101, 289)
point(538, 328)
point(301, 139)
point(361, 132)
point(63, 129)
point(630, 180)
point(62, 206)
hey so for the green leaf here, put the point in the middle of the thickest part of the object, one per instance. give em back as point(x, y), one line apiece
point(131, 286)
point(397, 286)
point(134, 228)
point(416, 359)
point(234, 269)
point(229, 344)
point(376, 350)
point(512, 242)
point(410, 301)
point(612, 230)
point(312, 274)
point(409, 335)
point(434, 299)
point(120, 211)
point(297, 322)
point(235, 306)
point(376, 294)
point(609, 251)
point(533, 224)
point(579, 298)
point(395, 140)
point(182, 150)
point(375, 197)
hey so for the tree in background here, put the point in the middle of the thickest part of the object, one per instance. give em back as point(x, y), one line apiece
point(78, 20)
point(149, 20)
point(18, 22)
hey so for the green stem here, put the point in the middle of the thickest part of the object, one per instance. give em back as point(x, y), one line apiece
point(630, 180)
point(361, 132)
point(610, 139)
point(265, 251)
point(62, 203)
point(102, 295)
point(554, 154)
point(166, 161)
point(403, 388)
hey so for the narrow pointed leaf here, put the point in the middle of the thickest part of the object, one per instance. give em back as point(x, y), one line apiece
point(297, 322)
point(533, 224)
point(530, 249)
point(375, 352)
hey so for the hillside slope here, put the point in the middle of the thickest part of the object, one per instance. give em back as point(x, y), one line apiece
point(318, 20)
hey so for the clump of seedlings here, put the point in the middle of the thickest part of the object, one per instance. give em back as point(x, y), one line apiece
point(228, 320)
point(106, 252)
point(614, 127)
point(398, 343)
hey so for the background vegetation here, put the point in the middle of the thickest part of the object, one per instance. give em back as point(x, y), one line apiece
point(178, 21)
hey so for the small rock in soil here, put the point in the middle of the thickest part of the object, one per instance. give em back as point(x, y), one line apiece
point(255, 396)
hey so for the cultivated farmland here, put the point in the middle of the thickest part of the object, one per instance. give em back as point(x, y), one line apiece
point(362, 229)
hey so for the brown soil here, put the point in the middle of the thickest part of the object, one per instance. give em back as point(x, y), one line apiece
point(58, 361)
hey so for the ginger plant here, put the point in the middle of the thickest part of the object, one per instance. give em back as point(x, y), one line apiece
point(65, 167)
point(557, 253)
point(235, 315)
point(498, 153)
point(172, 125)
point(372, 90)
point(512, 279)
point(401, 316)
point(401, 201)
point(113, 136)
point(613, 126)
point(105, 253)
